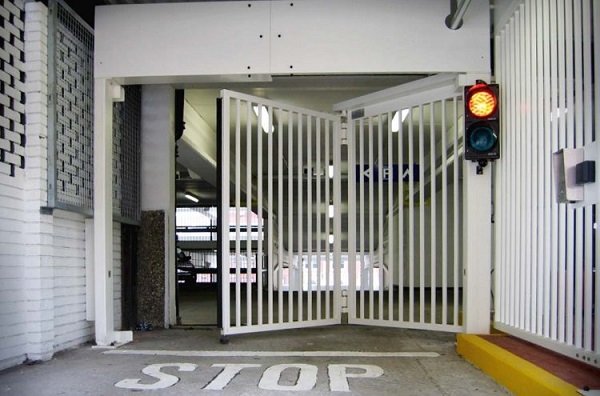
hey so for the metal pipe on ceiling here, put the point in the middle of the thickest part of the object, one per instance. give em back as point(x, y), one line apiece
point(454, 20)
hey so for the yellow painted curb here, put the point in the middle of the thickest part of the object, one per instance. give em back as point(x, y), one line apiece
point(516, 374)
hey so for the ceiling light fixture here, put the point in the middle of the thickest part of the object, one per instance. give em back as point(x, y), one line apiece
point(331, 211)
point(265, 118)
point(191, 197)
point(396, 121)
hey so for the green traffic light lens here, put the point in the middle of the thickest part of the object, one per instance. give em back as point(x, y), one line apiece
point(482, 138)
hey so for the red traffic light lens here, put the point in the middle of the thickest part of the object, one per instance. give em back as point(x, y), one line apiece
point(481, 101)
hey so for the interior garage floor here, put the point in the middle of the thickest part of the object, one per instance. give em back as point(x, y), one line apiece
point(198, 305)
point(314, 361)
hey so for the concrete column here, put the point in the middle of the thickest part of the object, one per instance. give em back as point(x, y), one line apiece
point(158, 176)
point(477, 256)
point(105, 92)
point(38, 233)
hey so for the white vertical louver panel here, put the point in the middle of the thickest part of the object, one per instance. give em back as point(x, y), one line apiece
point(546, 277)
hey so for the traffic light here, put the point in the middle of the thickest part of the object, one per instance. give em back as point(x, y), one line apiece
point(482, 127)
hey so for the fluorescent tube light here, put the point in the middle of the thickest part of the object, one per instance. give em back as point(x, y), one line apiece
point(265, 118)
point(396, 121)
point(191, 197)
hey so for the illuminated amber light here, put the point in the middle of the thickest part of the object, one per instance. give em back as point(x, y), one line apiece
point(482, 103)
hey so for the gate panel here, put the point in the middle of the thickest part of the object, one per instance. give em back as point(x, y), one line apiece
point(279, 269)
point(404, 204)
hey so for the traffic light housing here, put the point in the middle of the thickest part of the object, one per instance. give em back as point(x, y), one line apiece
point(482, 122)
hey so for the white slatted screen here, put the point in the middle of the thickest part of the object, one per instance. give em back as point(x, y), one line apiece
point(547, 282)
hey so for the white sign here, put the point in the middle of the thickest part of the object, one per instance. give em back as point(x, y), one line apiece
point(337, 374)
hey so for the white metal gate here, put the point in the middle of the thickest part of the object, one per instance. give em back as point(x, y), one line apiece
point(405, 206)
point(323, 214)
point(279, 266)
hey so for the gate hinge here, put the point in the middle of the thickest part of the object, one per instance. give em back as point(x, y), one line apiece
point(344, 129)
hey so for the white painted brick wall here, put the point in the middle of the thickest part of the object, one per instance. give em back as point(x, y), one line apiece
point(42, 256)
point(70, 325)
point(13, 296)
point(13, 341)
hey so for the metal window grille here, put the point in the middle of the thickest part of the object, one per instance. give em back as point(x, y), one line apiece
point(12, 87)
point(71, 110)
point(71, 123)
point(126, 156)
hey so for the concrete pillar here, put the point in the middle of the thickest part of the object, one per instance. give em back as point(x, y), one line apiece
point(158, 178)
point(105, 92)
point(38, 233)
point(477, 256)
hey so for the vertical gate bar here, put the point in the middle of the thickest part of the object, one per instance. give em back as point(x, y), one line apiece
point(361, 213)
point(535, 197)
point(513, 269)
point(371, 212)
point(421, 216)
point(579, 141)
point(328, 268)
point(589, 136)
point(225, 165)
point(411, 220)
point(280, 211)
point(290, 199)
point(380, 210)
point(540, 185)
point(548, 148)
point(570, 135)
point(512, 260)
point(309, 213)
point(518, 196)
point(319, 209)
point(259, 214)
point(238, 203)
point(337, 220)
point(352, 213)
point(249, 213)
point(562, 142)
point(596, 24)
point(455, 213)
point(300, 197)
point(433, 206)
point(529, 203)
point(555, 243)
point(391, 217)
point(445, 230)
point(505, 186)
point(521, 226)
point(270, 214)
point(400, 239)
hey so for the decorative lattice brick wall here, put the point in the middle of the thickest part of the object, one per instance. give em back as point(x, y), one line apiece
point(12, 87)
